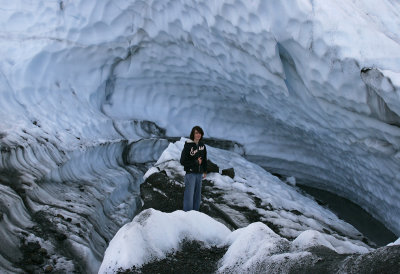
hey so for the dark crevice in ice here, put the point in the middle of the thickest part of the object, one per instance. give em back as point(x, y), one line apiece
point(375, 232)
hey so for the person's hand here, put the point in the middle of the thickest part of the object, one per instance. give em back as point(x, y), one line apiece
point(199, 160)
point(204, 175)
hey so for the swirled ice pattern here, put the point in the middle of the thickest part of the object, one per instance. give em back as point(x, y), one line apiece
point(309, 89)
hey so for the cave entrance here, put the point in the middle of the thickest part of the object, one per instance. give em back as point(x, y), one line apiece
point(375, 232)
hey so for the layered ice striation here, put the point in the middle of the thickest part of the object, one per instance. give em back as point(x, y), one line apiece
point(308, 89)
point(69, 204)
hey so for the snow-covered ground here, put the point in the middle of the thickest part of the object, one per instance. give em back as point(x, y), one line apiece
point(283, 200)
point(154, 234)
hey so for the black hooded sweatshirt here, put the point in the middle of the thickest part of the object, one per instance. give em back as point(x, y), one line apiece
point(190, 153)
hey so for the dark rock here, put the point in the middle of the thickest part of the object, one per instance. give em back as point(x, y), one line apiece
point(382, 260)
point(30, 268)
point(211, 167)
point(161, 193)
point(365, 70)
point(69, 220)
point(37, 258)
point(193, 257)
point(326, 231)
point(166, 194)
point(48, 268)
point(43, 251)
point(222, 215)
point(228, 172)
point(32, 247)
point(60, 237)
point(164, 172)
point(296, 212)
point(324, 260)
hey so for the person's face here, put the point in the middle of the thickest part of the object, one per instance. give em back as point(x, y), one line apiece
point(197, 136)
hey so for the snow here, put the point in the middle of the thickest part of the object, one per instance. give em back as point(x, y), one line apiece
point(250, 245)
point(311, 238)
point(256, 248)
point(153, 234)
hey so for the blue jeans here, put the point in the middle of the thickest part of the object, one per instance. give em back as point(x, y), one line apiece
point(192, 194)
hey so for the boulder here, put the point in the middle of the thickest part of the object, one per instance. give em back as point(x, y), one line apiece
point(228, 172)
point(211, 167)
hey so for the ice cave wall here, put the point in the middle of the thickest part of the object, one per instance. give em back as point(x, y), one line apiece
point(309, 88)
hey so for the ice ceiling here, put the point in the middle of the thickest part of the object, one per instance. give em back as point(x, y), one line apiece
point(310, 89)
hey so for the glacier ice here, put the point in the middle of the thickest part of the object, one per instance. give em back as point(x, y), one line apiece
point(308, 89)
point(72, 203)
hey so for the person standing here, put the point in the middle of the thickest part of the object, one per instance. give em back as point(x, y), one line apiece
point(194, 161)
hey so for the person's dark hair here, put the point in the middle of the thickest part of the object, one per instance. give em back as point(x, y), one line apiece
point(199, 129)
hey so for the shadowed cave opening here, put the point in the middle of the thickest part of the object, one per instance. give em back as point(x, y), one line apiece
point(377, 233)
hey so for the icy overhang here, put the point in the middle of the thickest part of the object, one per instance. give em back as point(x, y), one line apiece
point(309, 88)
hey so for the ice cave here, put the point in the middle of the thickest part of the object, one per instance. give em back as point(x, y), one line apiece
point(96, 97)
